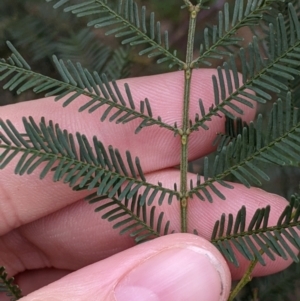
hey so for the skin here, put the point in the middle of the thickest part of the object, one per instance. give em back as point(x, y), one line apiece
point(49, 235)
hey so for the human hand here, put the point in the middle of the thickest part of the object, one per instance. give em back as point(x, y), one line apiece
point(49, 235)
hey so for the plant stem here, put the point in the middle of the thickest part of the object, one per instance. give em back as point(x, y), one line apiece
point(246, 278)
point(184, 132)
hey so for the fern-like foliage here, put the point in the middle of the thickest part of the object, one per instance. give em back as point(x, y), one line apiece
point(218, 37)
point(269, 240)
point(8, 287)
point(83, 166)
point(258, 80)
point(260, 72)
point(241, 156)
point(280, 286)
point(78, 81)
point(132, 217)
point(93, 166)
point(127, 22)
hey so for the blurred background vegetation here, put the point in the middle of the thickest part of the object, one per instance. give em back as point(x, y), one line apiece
point(38, 31)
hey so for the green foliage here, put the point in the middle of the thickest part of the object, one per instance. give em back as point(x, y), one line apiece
point(93, 167)
point(126, 22)
point(265, 71)
point(269, 240)
point(8, 287)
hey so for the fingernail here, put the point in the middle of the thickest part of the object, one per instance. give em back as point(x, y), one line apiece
point(174, 274)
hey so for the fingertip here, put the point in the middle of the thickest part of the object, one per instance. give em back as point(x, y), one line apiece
point(203, 217)
point(189, 269)
point(174, 267)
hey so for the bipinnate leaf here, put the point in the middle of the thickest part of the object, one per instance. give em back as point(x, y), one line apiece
point(260, 76)
point(140, 221)
point(77, 162)
point(128, 22)
point(78, 81)
point(242, 156)
point(258, 238)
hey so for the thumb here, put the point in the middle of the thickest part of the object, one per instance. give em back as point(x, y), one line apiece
point(174, 267)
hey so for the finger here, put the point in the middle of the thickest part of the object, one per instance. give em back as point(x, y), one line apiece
point(33, 280)
point(175, 267)
point(23, 202)
point(75, 236)
point(156, 147)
